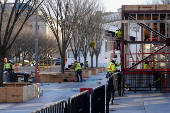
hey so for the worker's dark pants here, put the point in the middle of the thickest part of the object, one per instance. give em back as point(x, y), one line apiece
point(9, 71)
point(79, 76)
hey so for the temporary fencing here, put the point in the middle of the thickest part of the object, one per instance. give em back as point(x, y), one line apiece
point(146, 81)
point(58, 107)
point(79, 103)
point(98, 100)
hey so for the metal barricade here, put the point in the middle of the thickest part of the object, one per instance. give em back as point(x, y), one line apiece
point(79, 103)
point(58, 107)
point(98, 100)
point(109, 93)
point(146, 80)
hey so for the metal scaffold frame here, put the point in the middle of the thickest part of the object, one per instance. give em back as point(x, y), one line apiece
point(153, 23)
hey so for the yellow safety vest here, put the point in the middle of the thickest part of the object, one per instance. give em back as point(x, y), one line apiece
point(118, 33)
point(146, 66)
point(78, 66)
point(13, 66)
point(8, 66)
point(111, 67)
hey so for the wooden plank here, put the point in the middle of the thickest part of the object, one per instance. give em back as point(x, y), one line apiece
point(145, 7)
point(3, 94)
point(14, 94)
point(163, 7)
point(86, 73)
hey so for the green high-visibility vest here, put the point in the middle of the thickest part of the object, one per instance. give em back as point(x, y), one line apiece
point(146, 66)
point(8, 66)
point(78, 66)
point(118, 33)
point(111, 67)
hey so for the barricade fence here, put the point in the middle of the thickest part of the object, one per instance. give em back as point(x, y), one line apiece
point(147, 81)
point(58, 107)
point(80, 103)
point(98, 100)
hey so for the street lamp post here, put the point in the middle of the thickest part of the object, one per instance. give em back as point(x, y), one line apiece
point(35, 80)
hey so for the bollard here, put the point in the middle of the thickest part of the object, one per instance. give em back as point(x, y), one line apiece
point(37, 75)
point(165, 77)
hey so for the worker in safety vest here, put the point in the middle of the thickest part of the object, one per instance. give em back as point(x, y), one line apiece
point(154, 63)
point(112, 67)
point(86, 63)
point(78, 70)
point(118, 34)
point(33, 63)
point(8, 67)
point(146, 65)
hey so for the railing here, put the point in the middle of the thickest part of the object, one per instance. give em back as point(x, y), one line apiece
point(98, 100)
point(146, 80)
point(115, 85)
point(59, 107)
point(79, 103)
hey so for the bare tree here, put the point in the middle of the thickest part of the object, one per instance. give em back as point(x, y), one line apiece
point(157, 1)
point(60, 24)
point(26, 8)
point(47, 47)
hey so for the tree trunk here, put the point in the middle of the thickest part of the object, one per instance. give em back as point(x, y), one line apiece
point(19, 58)
point(92, 61)
point(62, 63)
point(85, 62)
point(16, 58)
point(23, 61)
point(97, 60)
point(1, 70)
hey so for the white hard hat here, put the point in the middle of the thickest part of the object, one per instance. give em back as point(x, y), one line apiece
point(113, 59)
point(75, 60)
point(10, 61)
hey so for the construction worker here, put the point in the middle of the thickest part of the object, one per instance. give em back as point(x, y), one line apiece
point(33, 63)
point(86, 63)
point(111, 67)
point(118, 34)
point(78, 70)
point(154, 63)
point(8, 67)
point(146, 65)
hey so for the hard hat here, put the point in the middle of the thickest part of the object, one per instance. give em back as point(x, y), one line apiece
point(75, 60)
point(10, 61)
point(113, 59)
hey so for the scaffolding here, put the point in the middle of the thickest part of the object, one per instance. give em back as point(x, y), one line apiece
point(151, 26)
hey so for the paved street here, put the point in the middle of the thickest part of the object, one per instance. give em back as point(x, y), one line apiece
point(52, 92)
point(140, 102)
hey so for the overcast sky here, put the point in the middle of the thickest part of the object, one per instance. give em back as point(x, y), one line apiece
point(113, 5)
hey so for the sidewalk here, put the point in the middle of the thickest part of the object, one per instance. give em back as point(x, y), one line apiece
point(142, 102)
point(52, 93)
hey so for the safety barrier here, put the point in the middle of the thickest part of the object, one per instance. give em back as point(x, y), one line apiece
point(98, 100)
point(58, 107)
point(146, 81)
point(79, 103)
point(45, 65)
